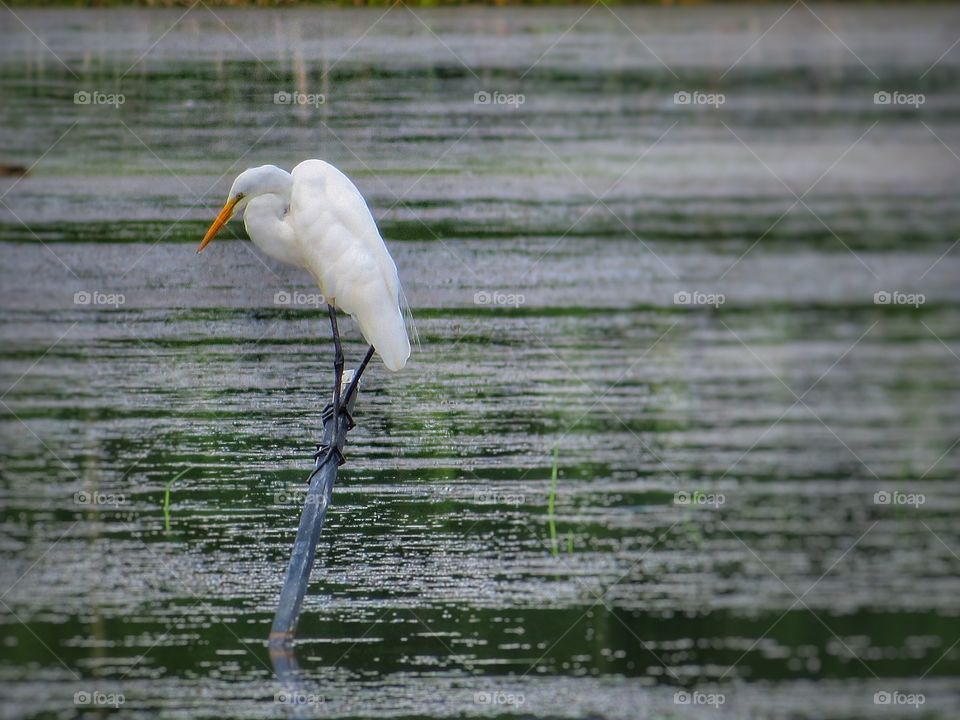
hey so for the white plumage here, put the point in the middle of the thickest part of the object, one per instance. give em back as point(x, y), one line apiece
point(316, 218)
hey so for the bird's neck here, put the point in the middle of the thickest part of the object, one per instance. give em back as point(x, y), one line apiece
point(265, 220)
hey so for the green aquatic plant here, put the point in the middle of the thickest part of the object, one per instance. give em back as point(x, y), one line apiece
point(551, 506)
point(166, 497)
point(551, 511)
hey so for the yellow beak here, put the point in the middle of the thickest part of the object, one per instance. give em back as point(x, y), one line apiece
point(225, 214)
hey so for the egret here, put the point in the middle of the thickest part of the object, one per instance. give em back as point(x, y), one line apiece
point(315, 218)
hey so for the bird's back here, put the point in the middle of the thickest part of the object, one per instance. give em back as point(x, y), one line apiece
point(342, 248)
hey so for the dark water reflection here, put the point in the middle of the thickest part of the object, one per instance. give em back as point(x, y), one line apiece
point(543, 246)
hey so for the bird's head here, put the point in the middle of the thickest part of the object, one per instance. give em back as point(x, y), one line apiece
point(263, 180)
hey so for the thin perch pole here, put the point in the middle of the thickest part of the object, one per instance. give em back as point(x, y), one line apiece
point(319, 497)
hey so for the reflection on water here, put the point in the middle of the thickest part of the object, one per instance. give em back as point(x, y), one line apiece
point(756, 457)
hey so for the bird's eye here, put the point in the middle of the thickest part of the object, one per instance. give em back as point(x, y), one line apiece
point(240, 196)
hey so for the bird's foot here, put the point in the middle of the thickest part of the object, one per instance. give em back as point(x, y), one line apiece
point(320, 456)
point(343, 412)
point(335, 437)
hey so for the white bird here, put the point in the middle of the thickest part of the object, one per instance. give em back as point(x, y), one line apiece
point(315, 218)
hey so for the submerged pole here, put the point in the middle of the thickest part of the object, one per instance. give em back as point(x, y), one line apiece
point(319, 497)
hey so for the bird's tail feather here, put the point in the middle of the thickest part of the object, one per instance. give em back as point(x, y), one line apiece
point(408, 314)
point(388, 335)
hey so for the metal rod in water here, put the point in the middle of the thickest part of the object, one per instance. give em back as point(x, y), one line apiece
point(319, 496)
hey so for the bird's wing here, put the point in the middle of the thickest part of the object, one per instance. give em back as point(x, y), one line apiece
point(341, 246)
point(337, 233)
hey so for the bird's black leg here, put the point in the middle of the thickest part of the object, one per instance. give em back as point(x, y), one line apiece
point(337, 363)
point(355, 380)
point(322, 450)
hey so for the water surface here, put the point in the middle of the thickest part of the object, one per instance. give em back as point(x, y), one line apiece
point(547, 248)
